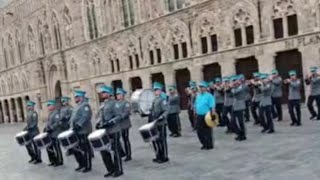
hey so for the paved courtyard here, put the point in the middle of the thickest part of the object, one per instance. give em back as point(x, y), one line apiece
point(291, 153)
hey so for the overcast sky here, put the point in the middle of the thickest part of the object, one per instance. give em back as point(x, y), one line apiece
point(4, 2)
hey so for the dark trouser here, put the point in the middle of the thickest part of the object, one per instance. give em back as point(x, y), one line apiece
point(33, 151)
point(276, 108)
point(310, 101)
point(239, 123)
point(174, 123)
point(160, 144)
point(54, 152)
point(112, 160)
point(191, 117)
point(83, 153)
point(266, 119)
point(247, 111)
point(126, 141)
point(254, 107)
point(295, 111)
point(219, 110)
point(204, 132)
point(227, 110)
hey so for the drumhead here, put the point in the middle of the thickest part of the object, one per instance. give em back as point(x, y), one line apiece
point(142, 100)
point(21, 134)
point(147, 126)
point(65, 134)
point(97, 134)
point(41, 136)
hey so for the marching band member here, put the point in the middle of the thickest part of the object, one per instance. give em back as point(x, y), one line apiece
point(266, 104)
point(294, 98)
point(227, 105)
point(239, 106)
point(123, 109)
point(173, 112)
point(111, 121)
point(159, 112)
point(247, 97)
point(192, 93)
point(81, 125)
point(219, 96)
point(54, 128)
point(66, 112)
point(256, 98)
point(314, 81)
point(204, 103)
point(33, 130)
point(276, 81)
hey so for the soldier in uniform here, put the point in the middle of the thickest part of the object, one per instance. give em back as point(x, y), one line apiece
point(219, 96)
point(314, 81)
point(173, 112)
point(294, 98)
point(54, 128)
point(204, 103)
point(227, 105)
point(276, 95)
point(256, 98)
point(123, 109)
point(239, 106)
point(111, 121)
point(159, 113)
point(247, 95)
point(65, 112)
point(266, 104)
point(81, 125)
point(33, 130)
point(192, 93)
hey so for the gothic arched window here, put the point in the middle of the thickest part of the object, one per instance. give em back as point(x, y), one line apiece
point(91, 19)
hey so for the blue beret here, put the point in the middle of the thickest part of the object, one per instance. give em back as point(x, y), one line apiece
point(203, 84)
point(31, 103)
point(79, 93)
point(313, 69)
point(264, 76)
point(275, 72)
point(292, 73)
point(121, 91)
point(157, 85)
point(241, 76)
point(192, 83)
point(65, 99)
point(106, 89)
point(217, 80)
point(163, 96)
point(51, 102)
point(256, 74)
point(172, 87)
point(225, 79)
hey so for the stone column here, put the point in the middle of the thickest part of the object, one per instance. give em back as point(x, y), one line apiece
point(18, 110)
point(196, 73)
point(11, 111)
point(6, 118)
point(228, 68)
point(285, 26)
point(169, 78)
point(209, 44)
point(244, 36)
point(146, 81)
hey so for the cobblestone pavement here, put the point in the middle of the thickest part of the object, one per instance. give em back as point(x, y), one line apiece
point(291, 153)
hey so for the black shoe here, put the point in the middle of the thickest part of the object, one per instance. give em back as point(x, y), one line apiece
point(243, 138)
point(176, 135)
point(156, 160)
point(292, 124)
point(31, 161)
point(37, 162)
point(79, 168)
point(298, 124)
point(270, 131)
point(117, 174)
point(86, 170)
point(264, 130)
point(58, 164)
point(164, 160)
point(108, 174)
point(171, 134)
point(209, 148)
point(228, 131)
point(312, 117)
point(237, 138)
point(52, 164)
point(203, 148)
point(127, 159)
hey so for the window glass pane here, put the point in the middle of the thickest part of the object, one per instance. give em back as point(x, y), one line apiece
point(159, 55)
point(278, 28)
point(250, 34)
point(176, 51)
point(292, 25)
point(204, 45)
point(184, 50)
point(180, 3)
point(112, 66)
point(171, 5)
point(125, 13)
point(238, 37)
point(131, 12)
point(130, 62)
point(137, 61)
point(118, 65)
point(151, 57)
point(214, 43)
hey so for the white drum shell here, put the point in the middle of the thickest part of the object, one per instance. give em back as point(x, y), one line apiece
point(142, 100)
point(23, 136)
point(150, 130)
point(65, 141)
point(99, 136)
point(42, 138)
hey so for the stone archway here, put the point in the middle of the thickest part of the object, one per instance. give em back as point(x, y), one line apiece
point(6, 111)
point(182, 80)
point(211, 71)
point(54, 84)
point(1, 113)
point(58, 92)
point(13, 110)
point(136, 83)
point(21, 107)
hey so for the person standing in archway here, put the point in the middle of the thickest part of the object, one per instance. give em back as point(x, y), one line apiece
point(33, 130)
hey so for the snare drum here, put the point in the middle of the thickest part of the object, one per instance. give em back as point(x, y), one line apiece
point(99, 140)
point(23, 138)
point(42, 140)
point(149, 132)
point(68, 139)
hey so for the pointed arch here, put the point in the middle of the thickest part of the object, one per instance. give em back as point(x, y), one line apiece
point(153, 45)
point(31, 42)
point(68, 27)
point(90, 19)
point(56, 31)
point(11, 49)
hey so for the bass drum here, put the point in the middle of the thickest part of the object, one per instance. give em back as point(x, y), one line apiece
point(141, 101)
